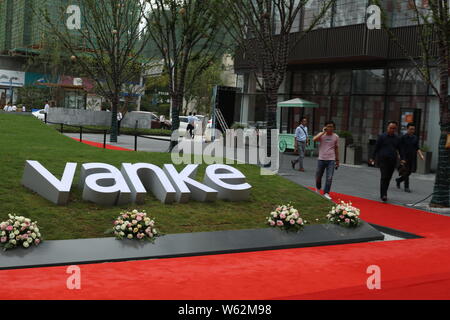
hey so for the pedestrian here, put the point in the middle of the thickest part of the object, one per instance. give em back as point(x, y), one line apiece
point(301, 141)
point(328, 157)
point(119, 121)
point(46, 110)
point(409, 149)
point(24, 109)
point(191, 125)
point(386, 154)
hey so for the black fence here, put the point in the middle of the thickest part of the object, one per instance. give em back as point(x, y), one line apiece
point(83, 129)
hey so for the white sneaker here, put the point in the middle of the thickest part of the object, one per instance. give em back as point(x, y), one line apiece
point(327, 196)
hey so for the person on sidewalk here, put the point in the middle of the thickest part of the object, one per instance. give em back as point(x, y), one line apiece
point(119, 121)
point(386, 153)
point(301, 141)
point(409, 149)
point(191, 125)
point(328, 157)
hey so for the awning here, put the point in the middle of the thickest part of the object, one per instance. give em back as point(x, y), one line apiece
point(297, 103)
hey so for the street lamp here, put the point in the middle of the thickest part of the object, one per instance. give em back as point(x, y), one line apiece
point(10, 88)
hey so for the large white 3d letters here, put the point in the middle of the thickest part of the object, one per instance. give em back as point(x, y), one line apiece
point(104, 184)
point(38, 179)
point(143, 177)
point(187, 187)
point(228, 181)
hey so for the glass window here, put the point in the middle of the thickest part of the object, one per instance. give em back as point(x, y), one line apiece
point(349, 12)
point(369, 81)
point(406, 81)
point(366, 120)
point(311, 82)
point(402, 13)
point(312, 10)
point(341, 82)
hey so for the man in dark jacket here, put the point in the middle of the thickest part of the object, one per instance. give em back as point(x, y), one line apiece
point(409, 148)
point(387, 153)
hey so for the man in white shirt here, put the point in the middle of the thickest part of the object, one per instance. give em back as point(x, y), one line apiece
point(46, 110)
point(301, 140)
point(119, 120)
point(191, 124)
point(24, 109)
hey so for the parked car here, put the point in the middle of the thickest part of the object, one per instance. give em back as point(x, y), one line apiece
point(40, 114)
point(156, 123)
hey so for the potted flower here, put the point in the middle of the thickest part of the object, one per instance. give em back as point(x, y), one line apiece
point(344, 214)
point(135, 225)
point(18, 232)
point(287, 218)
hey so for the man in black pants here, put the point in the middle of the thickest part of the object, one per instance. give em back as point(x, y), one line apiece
point(387, 153)
point(409, 149)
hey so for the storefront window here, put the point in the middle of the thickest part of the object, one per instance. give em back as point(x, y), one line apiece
point(366, 120)
point(349, 12)
point(341, 82)
point(313, 10)
point(403, 13)
point(311, 82)
point(406, 81)
point(369, 81)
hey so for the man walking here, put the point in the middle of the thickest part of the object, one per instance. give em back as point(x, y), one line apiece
point(387, 153)
point(409, 148)
point(301, 140)
point(191, 124)
point(328, 157)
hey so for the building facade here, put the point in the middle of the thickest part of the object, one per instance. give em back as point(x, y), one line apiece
point(359, 77)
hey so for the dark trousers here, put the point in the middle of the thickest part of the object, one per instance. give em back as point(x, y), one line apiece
point(329, 166)
point(190, 129)
point(404, 172)
point(387, 168)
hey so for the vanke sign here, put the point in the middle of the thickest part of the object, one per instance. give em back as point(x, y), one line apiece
point(104, 184)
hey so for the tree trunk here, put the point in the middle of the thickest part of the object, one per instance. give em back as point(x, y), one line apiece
point(271, 105)
point(441, 195)
point(114, 125)
point(177, 104)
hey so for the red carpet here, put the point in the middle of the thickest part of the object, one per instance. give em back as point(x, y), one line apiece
point(100, 145)
point(410, 269)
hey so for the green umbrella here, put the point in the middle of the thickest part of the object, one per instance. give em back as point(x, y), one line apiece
point(297, 103)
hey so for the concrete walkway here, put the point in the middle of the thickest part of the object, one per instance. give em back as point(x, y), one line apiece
point(360, 181)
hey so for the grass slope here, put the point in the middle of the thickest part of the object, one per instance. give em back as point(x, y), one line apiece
point(26, 138)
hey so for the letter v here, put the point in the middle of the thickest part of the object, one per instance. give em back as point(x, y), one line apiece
point(40, 180)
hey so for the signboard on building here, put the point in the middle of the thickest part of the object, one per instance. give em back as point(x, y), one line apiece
point(10, 78)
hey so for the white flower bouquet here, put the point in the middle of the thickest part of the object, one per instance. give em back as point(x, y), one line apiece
point(345, 215)
point(286, 217)
point(19, 231)
point(135, 225)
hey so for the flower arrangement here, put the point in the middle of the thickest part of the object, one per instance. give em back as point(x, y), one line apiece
point(345, 215)
point(135, 225)
point(19, 231)
point(286, 217)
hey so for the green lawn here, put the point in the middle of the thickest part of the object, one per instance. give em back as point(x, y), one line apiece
point(26, 138)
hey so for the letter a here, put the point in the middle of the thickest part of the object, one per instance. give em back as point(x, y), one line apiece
point(374, 20)
point(74, 281)
point(374, 281)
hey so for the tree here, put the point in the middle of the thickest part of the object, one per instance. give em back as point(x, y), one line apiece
point(200, 87)
point(183, 31)
point(433, 29)
point(106, 44)
point(262, 31)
